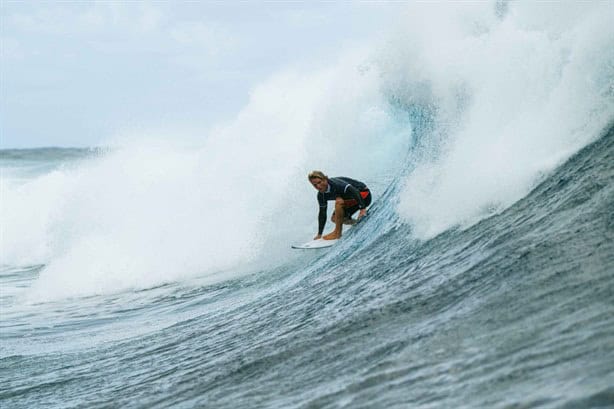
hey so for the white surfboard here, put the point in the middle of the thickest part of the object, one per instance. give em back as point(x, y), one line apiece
point(315, 244)
point(321, 243)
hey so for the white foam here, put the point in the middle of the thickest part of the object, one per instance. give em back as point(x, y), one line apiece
point(154, 210)
point(515, 96)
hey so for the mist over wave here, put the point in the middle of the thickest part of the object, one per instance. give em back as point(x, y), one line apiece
point(152, 211)
point(510, 91)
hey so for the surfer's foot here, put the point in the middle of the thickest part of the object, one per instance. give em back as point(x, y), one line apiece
point(332, 236)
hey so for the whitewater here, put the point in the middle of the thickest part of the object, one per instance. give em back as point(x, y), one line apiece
point(156, 271)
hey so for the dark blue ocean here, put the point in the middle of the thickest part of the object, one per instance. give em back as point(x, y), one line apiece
point(156, 271)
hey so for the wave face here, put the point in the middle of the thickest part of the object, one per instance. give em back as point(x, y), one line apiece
point(159, 274)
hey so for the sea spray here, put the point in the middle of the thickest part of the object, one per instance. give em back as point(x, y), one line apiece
point(153, 211)
point(514, 93)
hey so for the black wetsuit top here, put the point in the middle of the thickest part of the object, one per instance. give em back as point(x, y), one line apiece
point(343, 187)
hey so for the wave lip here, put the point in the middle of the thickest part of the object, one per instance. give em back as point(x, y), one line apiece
point(512, 96)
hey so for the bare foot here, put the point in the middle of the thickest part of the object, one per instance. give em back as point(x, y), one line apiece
point(332, 236)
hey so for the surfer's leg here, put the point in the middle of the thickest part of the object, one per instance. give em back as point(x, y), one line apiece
point(347, 219)
point(349, 212)
point(353, 208)
point(339, 214)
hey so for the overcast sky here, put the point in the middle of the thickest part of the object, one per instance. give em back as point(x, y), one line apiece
point(78, 73)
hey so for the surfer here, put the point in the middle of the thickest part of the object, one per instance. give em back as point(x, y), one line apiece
point(349, 195)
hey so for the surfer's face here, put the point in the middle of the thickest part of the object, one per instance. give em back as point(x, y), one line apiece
point(319, 184)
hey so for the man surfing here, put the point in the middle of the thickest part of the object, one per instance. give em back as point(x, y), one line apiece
point(349, 195)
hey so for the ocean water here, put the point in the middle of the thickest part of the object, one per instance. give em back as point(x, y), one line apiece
point(158, 273)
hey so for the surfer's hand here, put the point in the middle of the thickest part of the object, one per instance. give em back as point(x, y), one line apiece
point(319, 236)
point(362, 213)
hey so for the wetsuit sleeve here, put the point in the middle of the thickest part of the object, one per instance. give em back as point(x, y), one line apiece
point(321, 220)
point(356, 195)
point(321, 214)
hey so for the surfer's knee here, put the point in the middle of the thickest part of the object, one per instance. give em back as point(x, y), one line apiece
point(339, 201)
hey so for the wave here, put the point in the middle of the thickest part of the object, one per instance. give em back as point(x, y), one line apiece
point(511, 93)
point(506, 312)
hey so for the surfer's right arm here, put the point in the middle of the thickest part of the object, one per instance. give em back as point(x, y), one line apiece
point(321, 216)
point(321, 222)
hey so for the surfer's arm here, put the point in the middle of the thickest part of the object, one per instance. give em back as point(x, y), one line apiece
point(321, 221)
point(321, 215)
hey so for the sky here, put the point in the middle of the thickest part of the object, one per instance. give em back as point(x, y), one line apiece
point(80, 73)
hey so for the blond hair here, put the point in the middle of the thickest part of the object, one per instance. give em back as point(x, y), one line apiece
point(316, 174)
